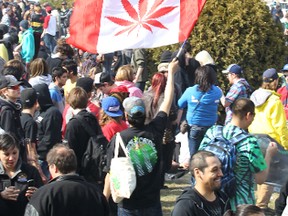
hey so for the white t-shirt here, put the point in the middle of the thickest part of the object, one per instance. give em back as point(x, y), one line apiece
point(184, 156)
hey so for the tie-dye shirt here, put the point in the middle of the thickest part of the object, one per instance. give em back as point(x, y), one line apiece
point(249, 160)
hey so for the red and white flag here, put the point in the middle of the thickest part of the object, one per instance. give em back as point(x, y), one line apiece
point(104, 26)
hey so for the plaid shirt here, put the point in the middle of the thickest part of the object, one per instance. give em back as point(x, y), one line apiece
point(237, 90)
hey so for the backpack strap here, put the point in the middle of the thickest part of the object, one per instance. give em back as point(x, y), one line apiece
point(218, 132)
point(88, 129)
point(238, 138)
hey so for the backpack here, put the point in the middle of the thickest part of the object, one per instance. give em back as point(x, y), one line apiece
point(225, 150)
point(94, 157)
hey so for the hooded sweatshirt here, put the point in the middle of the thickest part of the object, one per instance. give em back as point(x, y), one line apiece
point(76, 134)
point(191, 203)
point(28, 46)
point(133, 90)
point(47, 79)
point(49, 121)
point(10, 118)
point(202, 106)
point(270, 116)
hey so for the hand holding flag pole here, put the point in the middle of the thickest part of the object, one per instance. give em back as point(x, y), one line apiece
point(180, 50)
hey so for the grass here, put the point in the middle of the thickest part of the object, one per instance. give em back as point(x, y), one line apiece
point(175, 188)
point(169, 196)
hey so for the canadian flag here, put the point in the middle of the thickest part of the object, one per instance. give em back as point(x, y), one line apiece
point(104, 26)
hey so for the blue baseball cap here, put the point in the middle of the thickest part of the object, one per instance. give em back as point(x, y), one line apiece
point(270, 75)
point(111, 106)
point(233, 68)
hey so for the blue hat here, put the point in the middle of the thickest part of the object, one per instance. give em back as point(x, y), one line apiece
point(233, 68)
point(285, 68)
point(134, 107)
point(111, 106)
point(270, 75)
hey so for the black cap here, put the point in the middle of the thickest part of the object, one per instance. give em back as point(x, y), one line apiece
point(102, 77)
point(86, 83)
point(28, 97)
point(8, 81)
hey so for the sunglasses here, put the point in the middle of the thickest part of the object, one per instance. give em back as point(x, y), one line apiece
point(17, 87)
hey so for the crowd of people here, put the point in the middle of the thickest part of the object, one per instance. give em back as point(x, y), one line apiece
point(55, 98)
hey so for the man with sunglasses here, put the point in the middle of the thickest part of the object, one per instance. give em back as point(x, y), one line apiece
point(239, 89)
point(10, 109)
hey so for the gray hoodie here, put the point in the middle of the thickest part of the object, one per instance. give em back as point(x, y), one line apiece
point(260, 96)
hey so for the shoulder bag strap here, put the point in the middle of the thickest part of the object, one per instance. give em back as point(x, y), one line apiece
point(119, 142)
point(198, 103)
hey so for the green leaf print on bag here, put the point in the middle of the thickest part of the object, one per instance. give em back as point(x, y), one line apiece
point(143, 155)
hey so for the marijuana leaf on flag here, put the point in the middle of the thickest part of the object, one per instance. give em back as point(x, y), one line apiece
point(145, 18)
point(105, 26)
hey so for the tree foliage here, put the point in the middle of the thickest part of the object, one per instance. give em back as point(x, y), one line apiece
point(57, 3)
point(237, 31)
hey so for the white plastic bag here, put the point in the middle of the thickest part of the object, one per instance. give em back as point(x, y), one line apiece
point(122, 174)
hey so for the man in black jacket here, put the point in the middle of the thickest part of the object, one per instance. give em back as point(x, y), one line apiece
point(49, 121)
point(76, 134)
point(205, 198)
point(67, 194)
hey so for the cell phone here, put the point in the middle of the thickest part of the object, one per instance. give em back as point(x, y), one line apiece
point(5, 183)
point(30, 183)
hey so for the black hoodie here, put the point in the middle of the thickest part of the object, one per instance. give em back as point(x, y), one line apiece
point(49, 121)
point(10, 118)
point(10, 122)
point(190, 203)
point(77, 136)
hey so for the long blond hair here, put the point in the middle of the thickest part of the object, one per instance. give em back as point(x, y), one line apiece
point(38, 67)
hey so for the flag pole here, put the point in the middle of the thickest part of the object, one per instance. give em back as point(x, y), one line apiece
point(180, 50)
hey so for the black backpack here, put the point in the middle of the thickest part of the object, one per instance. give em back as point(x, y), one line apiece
point(94, 157)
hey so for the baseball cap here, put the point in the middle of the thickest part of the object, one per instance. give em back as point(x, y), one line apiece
point(120, 89)
point(166, 56)
point(48, 9)
point(86, 83)
point(102, 77)
point(111, 106)
point(28, 97)
point(8, 81)
point(134, 107)
point(270, 75)
point(233, 68)
point(285, 68)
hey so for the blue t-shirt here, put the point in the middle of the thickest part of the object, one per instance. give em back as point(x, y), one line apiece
point(202, 106)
